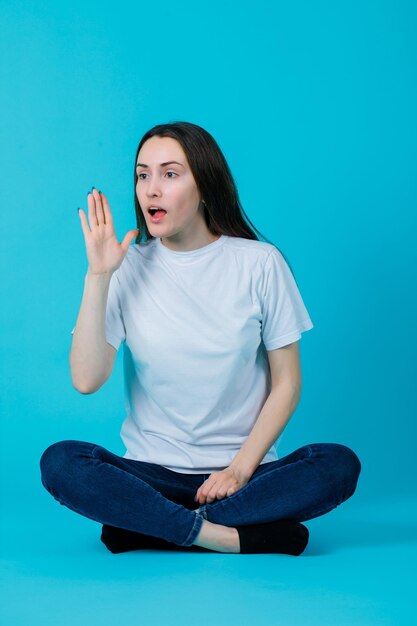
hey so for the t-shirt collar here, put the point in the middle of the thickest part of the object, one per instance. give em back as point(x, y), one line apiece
point(207, 249)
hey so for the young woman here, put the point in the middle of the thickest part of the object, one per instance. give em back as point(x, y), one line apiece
point(210, 318)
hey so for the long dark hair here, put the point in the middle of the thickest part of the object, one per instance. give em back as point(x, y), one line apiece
point(223, 212)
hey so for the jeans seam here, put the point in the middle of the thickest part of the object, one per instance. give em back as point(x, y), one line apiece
point(198, 522)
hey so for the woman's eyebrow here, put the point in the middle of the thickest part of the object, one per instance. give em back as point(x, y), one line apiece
point(162, 164)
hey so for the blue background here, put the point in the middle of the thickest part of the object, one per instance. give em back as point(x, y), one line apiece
point(314, 106)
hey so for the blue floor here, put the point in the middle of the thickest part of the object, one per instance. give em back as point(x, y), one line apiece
point(359, 568)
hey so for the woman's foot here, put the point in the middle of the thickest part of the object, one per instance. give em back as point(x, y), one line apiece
point(218, 538)
point(286, 536)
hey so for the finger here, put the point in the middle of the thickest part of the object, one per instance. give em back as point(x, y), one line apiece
point(84, 223)
point(224, 491)
point(108, 218)
point(211, 496)
point(99, 207)
point(204, 490)
point(129, 237)
point(92, 217)
point(227, 488)
point(221, 493)
point(201, 498)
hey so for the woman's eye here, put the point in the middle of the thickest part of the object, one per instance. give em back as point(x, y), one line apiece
point(144, 174)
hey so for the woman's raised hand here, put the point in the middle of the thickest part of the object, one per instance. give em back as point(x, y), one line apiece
point(104, 252)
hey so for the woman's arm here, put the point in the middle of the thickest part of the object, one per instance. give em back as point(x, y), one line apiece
point(277, 410)
point(91, 357)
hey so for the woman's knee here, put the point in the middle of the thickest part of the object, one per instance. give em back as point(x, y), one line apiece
point(346, 464)
point(56, 460)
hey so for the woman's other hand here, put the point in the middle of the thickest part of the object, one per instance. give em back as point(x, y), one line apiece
point(220, 485)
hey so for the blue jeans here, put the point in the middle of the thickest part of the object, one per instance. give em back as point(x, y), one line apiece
point(153, 500)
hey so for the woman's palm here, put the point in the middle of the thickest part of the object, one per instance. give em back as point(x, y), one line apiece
point(104, 252)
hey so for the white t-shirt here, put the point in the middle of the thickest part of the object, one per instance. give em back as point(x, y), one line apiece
point(196, 327)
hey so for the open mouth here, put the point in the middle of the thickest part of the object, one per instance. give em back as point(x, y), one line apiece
point(157, 212)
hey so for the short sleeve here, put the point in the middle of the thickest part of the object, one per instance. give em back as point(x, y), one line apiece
point(114, 324)
point(284, 315)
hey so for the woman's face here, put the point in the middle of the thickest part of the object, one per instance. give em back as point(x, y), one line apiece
point(170, 186)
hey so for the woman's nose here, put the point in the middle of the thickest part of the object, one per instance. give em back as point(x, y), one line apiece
point(153, 187)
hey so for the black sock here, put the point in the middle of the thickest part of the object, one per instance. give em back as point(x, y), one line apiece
point(121, 540)
point(282, 536)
